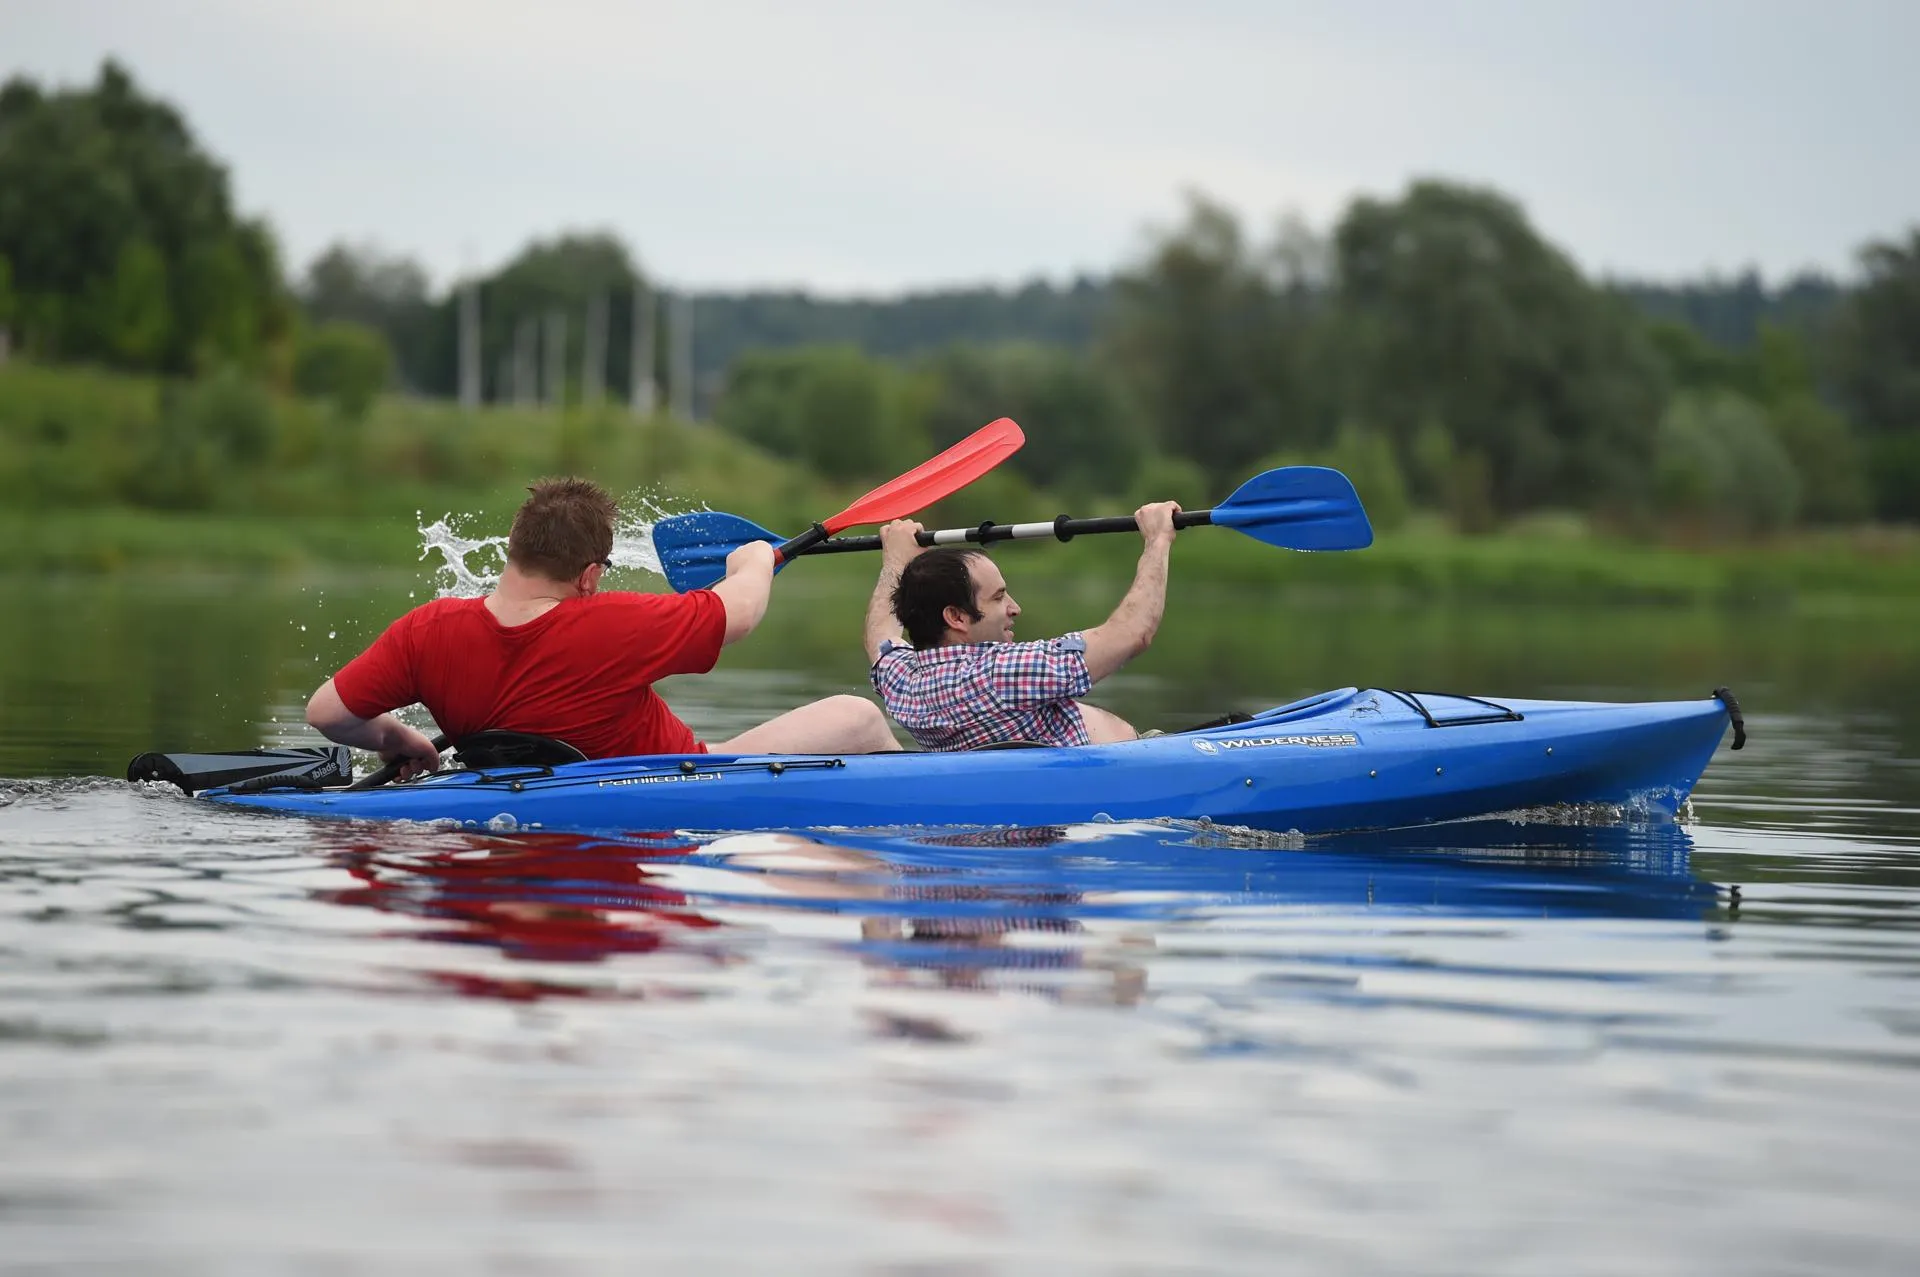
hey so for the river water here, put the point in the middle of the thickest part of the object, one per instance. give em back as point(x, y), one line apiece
point(1562, 1044)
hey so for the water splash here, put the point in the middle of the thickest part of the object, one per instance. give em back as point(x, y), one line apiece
point(470, 564)
point(633, 535)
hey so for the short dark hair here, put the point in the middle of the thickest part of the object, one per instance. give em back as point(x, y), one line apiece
point(564, 526)
point(930, 584)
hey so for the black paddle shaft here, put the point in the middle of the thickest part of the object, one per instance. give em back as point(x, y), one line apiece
point(1064, 528)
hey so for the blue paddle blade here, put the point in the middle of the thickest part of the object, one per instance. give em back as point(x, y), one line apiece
point(1299, 507)
point(693, 548)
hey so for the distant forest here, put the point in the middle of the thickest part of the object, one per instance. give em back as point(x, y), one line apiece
point(346, 284)
point(1432, 343)
point(1728, 312)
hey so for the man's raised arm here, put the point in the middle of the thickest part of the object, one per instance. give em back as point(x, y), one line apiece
point(744, 592)
point(898, 547)
point(1126, 633)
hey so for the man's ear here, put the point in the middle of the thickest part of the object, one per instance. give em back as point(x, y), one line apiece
point(956, 618)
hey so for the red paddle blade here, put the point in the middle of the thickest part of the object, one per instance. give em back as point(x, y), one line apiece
point(931, 480)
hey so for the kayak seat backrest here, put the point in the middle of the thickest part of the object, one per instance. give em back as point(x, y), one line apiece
point(484, 750)
point(1009, 744)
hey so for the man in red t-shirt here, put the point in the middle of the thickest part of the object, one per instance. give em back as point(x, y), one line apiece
point(549, 653)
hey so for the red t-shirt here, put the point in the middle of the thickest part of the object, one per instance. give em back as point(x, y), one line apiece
point(581, 672)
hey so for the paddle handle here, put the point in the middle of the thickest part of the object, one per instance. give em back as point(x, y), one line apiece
point(380, 776)
point(1063, 528)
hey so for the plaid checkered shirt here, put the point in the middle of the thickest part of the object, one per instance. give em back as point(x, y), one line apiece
point(966, 695)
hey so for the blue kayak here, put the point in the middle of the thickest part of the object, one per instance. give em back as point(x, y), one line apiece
point(1343, 760)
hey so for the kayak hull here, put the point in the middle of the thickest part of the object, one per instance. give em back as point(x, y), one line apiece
point(1343, 760)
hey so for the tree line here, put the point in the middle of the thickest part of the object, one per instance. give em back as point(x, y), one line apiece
point(1433, 344)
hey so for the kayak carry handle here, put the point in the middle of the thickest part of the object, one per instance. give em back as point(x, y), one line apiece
point(1726, 697)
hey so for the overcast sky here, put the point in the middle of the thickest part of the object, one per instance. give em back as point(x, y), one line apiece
point(855, 146)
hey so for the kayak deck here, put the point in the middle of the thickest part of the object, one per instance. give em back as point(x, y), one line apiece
point(1343, 760)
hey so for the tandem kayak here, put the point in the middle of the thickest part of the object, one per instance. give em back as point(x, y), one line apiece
point(1343, 760)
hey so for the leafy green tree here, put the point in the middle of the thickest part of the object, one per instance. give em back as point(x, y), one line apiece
point(846, 415)
point(562, 275)
point(1172, 478)
point(1825, 455)
point(390, 294)
point(1719, 462)
point(1216, 351)
point(1692, 362)
point(1453, 309)
point(346, 364)
point(1876, 356)
point(94, 184)
point(7, 307)
point(1081, 433)
point(136, 320)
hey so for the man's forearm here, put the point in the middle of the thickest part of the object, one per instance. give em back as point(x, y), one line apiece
point(1126, 633)
point(881, 624)
point(329, 715)
point(1145, 601)
point(744, 593)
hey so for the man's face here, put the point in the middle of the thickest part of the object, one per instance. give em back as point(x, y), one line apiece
point(990, 598)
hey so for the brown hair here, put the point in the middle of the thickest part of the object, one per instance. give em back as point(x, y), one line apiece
point(929, 585)
point(564, 526)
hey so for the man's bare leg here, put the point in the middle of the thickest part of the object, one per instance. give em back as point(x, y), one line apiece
point(836, 725)
point(1106, 728)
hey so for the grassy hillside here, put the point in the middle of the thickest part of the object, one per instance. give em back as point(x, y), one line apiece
point(102, 473)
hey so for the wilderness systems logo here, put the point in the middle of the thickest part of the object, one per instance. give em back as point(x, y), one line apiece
point(1264, 742)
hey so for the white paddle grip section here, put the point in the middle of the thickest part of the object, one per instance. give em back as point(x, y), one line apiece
point(1006, 532)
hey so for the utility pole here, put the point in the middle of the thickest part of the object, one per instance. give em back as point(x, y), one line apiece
point(593, 353)
point(556, 378)
point(470, 345)
point(640, 378)
point(681, 339)
point(526, 369)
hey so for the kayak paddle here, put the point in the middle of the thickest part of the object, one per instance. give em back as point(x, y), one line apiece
point(693, 548)
point(269, 767)
point(293, 765)
point(1294, 507)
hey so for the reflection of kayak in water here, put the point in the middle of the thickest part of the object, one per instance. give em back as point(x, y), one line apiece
point(1342, 760)
point(957, 906)
point(1127, 871)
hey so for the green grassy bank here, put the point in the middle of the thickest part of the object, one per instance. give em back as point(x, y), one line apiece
point(102, 473)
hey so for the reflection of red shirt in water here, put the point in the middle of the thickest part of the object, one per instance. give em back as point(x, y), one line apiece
point(539, 897)
point(581, 672)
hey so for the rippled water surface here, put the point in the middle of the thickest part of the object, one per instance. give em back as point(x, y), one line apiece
point(1560, 1044)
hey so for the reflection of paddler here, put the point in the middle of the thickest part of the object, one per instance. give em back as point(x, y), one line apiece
point(961, 943)
point(540, 897)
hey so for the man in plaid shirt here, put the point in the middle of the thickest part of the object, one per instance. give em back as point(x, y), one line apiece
point(964, 682)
